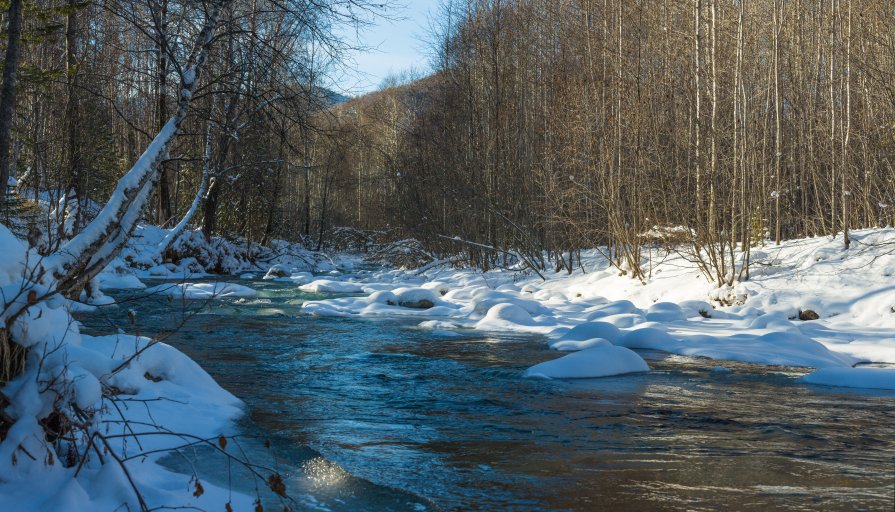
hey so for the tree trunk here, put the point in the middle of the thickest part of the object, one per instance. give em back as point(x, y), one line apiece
point(8, 92)
point(164, 188)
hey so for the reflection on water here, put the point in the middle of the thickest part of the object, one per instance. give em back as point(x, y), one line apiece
point(379, 415)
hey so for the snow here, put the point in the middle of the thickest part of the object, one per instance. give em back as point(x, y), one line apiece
point(218, 255)
point(871, 378)
point(383, 297)
point(601, 359)
point(203, 291)
point(437, 286)
point(282, 272)
point(330, 286)
point(110, 281)
point(422, 298)
point(579, 337)
point(505, 316)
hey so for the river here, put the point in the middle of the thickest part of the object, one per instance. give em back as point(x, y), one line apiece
point(380, 415)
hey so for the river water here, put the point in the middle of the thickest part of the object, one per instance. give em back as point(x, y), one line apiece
point(379, 415)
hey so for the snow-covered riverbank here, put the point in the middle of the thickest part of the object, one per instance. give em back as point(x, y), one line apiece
point(87, 418)
point(851, 292)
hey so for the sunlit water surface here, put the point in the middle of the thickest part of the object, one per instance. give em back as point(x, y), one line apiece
point(379, 415)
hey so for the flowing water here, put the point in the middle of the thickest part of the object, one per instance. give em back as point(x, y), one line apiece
point(379, 415)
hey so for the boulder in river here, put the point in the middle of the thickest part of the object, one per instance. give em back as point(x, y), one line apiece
point(416, 298)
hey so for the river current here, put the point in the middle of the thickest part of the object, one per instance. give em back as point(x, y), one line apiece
point(373, 415)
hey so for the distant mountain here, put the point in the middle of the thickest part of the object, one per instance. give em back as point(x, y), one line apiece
point(332, 97)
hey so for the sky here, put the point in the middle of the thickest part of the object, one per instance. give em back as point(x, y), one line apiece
point(395, 45)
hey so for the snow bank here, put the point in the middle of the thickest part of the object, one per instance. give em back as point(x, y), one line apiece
point(133, 398)
point(172, 390)
point(602, 359)
point(676, 310)
point(775, 348)
point(195, 255)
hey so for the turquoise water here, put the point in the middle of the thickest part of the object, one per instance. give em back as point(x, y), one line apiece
point(378, 415)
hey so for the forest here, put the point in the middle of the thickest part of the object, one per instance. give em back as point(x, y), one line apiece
point(546, 127)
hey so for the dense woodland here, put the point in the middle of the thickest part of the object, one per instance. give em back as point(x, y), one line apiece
point(550, 126)
point(547, 126)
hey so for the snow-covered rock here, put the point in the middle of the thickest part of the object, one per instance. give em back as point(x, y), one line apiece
point(383, 297)
point(866, 377)
point(573, 345)
point(417, 298)
point(619, 307)
point(505, 316)
point(665, 312)
point(330, 286)
point(203, 291)
point(587, 331)
point(438, 286)
point(276, 271)
point(602, 359)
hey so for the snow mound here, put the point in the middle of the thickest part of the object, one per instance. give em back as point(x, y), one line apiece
point(204, 291)
point(277, 271)
point(623, 320)
point(694, 308)
point(117, 276)
point(485, 300)
point(618, 307)
point(383, 297)
point(777, 320)
point(329, 286)
point(417, 298)
point(588, 331)
point(438, 286)
point(505, 316)
point(15, 256)
point(649, 338)
point(603, 359)
point(870, 378)
point(664, 312)
point(284, 273)
point(573, 345)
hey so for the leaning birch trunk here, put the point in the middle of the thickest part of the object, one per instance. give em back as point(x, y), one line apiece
point(172, 235)
point(70, 268)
